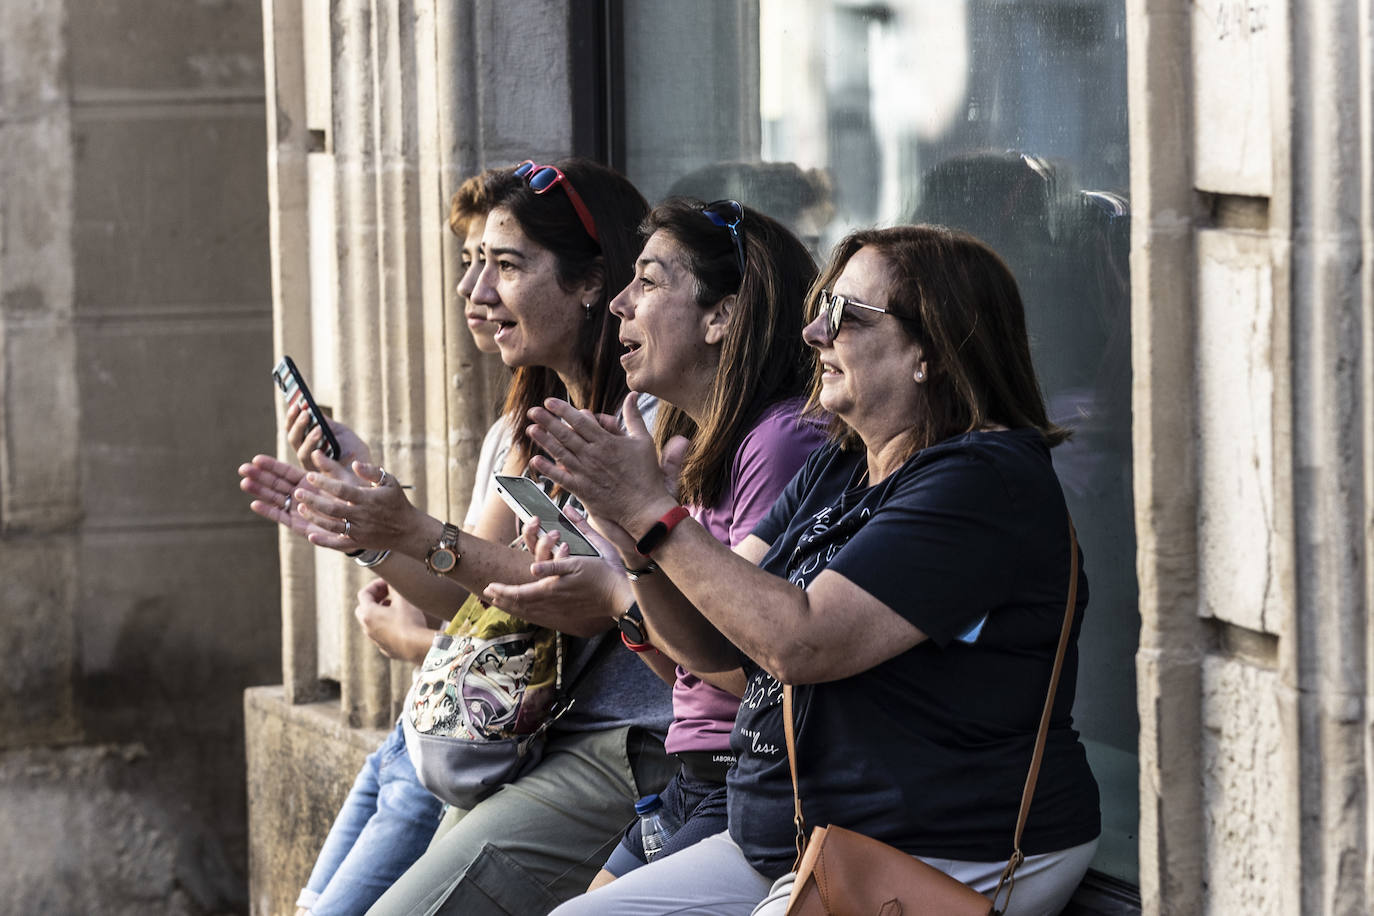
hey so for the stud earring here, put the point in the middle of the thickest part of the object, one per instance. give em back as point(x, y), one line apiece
point(920, 376)
point(587, 310)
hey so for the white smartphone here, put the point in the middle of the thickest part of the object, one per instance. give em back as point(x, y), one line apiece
point(528, 500)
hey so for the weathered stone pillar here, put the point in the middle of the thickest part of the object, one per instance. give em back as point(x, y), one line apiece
point(40, 480)
point(1168, 663)
point(1332, 323)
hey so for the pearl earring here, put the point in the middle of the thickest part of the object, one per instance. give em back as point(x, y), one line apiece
point(920, 376)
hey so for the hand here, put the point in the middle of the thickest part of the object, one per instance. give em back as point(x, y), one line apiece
point(271, 483)
point(617, 475)
point(396, 627)
point(577, 595)
point(351, 447)
point(374, 515)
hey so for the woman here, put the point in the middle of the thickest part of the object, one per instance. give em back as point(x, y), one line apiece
point(557, 239)
point(713, 324)
point(387, 819)
point(912, 587)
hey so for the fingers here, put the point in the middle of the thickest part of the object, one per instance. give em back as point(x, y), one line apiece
point(515, 598)
point(575, 423)
point(323, 511)
point(671, 461)
point(634, 420)
point(310, 443)
point(549, 571)
point(328, 479)
point(372, 473)
point(530, 533)
point(375, 591)
point(270, 465)
point(554, 472)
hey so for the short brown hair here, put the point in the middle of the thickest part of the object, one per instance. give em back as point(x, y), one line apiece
point(471, 200)
point(958, 300)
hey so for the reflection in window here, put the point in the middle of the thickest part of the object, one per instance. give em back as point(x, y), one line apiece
point(1006, 118)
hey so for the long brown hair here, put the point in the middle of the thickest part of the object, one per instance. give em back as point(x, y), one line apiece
point(957, 299)
point(550, 221)
point(763, 359)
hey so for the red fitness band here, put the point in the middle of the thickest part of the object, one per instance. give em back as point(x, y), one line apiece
point(637, 646)
point(647, 544)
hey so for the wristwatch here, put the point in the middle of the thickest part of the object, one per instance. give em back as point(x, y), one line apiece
point(631, 625)
point(443, 557)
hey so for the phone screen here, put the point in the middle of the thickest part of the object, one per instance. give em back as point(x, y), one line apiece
point(295, 391)
point(528, 500)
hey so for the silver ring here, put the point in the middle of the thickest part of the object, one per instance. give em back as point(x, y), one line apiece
point(382, 481)
point(286, 506)
point(347, 528)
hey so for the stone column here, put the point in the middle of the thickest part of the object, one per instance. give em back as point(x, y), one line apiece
point(1332, 322)
point(40, 480)
point(1162, 318)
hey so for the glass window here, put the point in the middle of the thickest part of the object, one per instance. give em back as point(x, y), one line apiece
point(1003, 117)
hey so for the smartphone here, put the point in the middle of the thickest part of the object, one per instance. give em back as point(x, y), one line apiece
point(528, 500)
point(295, 391)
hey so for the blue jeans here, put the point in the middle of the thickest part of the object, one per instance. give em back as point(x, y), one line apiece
point(695, 808)
point(383, 827)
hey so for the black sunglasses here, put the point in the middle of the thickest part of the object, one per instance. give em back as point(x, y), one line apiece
point(833, 306)
point(728, 214)
point(542, 177)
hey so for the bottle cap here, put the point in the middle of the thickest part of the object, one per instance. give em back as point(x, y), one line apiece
point(648, 804)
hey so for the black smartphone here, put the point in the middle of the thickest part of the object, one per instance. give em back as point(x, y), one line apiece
point(295, 391)
point(528, 500)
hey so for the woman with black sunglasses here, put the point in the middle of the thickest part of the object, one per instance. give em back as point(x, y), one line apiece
point(911, 584)
point(712, 322)
point(558, 241)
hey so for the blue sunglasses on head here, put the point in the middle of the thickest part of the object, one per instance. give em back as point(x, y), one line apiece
point(728, 214)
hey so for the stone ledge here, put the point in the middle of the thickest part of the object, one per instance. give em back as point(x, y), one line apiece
point(301, 762)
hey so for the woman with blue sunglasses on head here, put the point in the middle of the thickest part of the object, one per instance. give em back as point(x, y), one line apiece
point(712, 322)
point(558, 241)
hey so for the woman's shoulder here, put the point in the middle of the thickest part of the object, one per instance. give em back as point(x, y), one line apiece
point(784, 425)
point(1013, 463)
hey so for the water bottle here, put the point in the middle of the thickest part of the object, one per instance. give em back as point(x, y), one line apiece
point(653, 829)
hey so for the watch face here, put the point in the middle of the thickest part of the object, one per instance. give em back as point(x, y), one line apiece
point(442, 560)
point(632, 629)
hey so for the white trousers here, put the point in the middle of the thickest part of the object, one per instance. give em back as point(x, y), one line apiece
point(713, 878)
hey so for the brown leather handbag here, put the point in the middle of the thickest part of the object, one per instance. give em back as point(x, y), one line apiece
point(843, 873)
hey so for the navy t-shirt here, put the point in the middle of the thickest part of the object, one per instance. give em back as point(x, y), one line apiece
point(927, 751)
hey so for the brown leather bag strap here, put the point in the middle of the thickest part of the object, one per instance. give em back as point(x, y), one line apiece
point(1009, 873)
point(789, 729)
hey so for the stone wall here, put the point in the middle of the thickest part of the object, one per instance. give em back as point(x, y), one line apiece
point(138, 597)
point(1253, 334)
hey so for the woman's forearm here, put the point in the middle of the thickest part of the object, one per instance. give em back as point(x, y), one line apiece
point(761, 615)
point(679, 630)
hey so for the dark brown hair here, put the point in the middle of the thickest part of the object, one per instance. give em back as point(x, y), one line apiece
point(550, 221)
point(958, 300)
point(763, 359)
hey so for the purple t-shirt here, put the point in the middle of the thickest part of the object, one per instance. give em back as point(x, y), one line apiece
point(768, 457)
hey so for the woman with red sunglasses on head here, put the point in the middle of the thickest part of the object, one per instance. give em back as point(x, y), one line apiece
point(558, 241)
point(713, 324)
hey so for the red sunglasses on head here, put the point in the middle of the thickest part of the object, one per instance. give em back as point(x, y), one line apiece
point(542, 177)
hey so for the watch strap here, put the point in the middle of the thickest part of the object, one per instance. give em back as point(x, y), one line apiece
point(656, 534)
